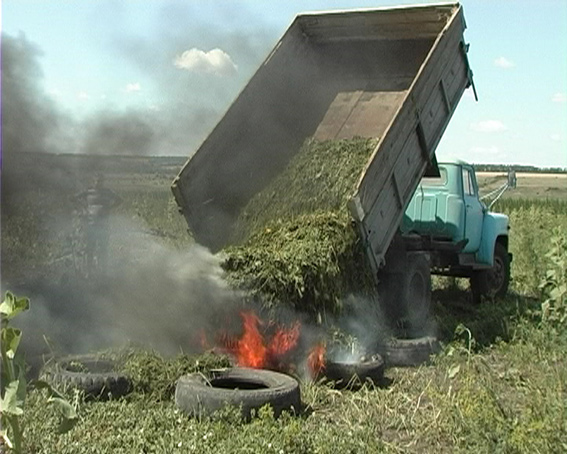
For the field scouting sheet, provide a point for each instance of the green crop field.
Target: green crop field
(529, 185)
(499, 383)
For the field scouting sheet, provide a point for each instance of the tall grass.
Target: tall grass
(499, 384)
(532, 224)
(507, 205)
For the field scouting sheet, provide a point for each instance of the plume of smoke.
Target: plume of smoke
(169, 299)
(149, 295)
(190, 102)
(113, 133)
(29, 116)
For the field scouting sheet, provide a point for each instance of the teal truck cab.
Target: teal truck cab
(446, 230)
(447, 218)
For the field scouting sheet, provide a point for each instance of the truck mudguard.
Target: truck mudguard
(495, 226)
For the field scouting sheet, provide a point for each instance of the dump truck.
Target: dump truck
(391, 74)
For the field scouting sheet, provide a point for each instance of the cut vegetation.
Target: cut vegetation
(497, 385)
(296, 244)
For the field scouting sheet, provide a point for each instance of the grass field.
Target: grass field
(498, 385)
(529, 185)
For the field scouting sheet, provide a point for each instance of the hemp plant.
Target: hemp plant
(13, 381)
(554, 286)
(13, 385)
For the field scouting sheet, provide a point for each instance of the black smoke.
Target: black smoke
(29, 116)
(150, 294)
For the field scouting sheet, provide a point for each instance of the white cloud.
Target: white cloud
(215, 61)
(503, 62)
(489, 126)
(559, 97)
(133, 88)
(83, 96)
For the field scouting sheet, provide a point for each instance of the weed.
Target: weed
(13, 383)
(554, 286)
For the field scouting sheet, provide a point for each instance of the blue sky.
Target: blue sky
(111, 57)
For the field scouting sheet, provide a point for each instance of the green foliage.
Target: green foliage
(552, 206)
(13, 383)
(531, 225)
(296, 245)
(321, 177)
(310, 263)
(517, 168)
(554, 286)
(499, 386)
(508, 398)
(154, 377)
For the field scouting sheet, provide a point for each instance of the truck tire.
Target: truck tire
(492, 283)
(410, 352)
(97, 377)
(353, 374)
(249, 389)
(416, 293)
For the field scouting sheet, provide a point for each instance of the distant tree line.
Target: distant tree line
(517, 168)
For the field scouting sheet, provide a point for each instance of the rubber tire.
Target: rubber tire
(483, 282)
(416, 292)
(197, 395)
(99, 381)
(350, 375)
(410, 352)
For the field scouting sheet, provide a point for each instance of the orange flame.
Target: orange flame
(251, 350)
(284, 340)
(316, 359)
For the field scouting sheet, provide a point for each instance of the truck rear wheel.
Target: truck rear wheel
(492, 283)
(406, 295)
(416, 293)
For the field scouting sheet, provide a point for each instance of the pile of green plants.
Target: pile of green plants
(294, 243)
(154, 376)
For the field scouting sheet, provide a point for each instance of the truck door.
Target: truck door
(474, 211)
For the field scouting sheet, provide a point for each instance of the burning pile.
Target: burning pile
(272, 346)
(295, 242)
(251, 349)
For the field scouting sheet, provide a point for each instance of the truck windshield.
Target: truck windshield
(436, 181)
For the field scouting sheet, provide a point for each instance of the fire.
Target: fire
(316, 359)
(284, 340)
(252, 350)
(271, 346)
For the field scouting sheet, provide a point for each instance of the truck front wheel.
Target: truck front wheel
(492, 283)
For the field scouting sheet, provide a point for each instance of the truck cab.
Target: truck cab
(464, 238)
